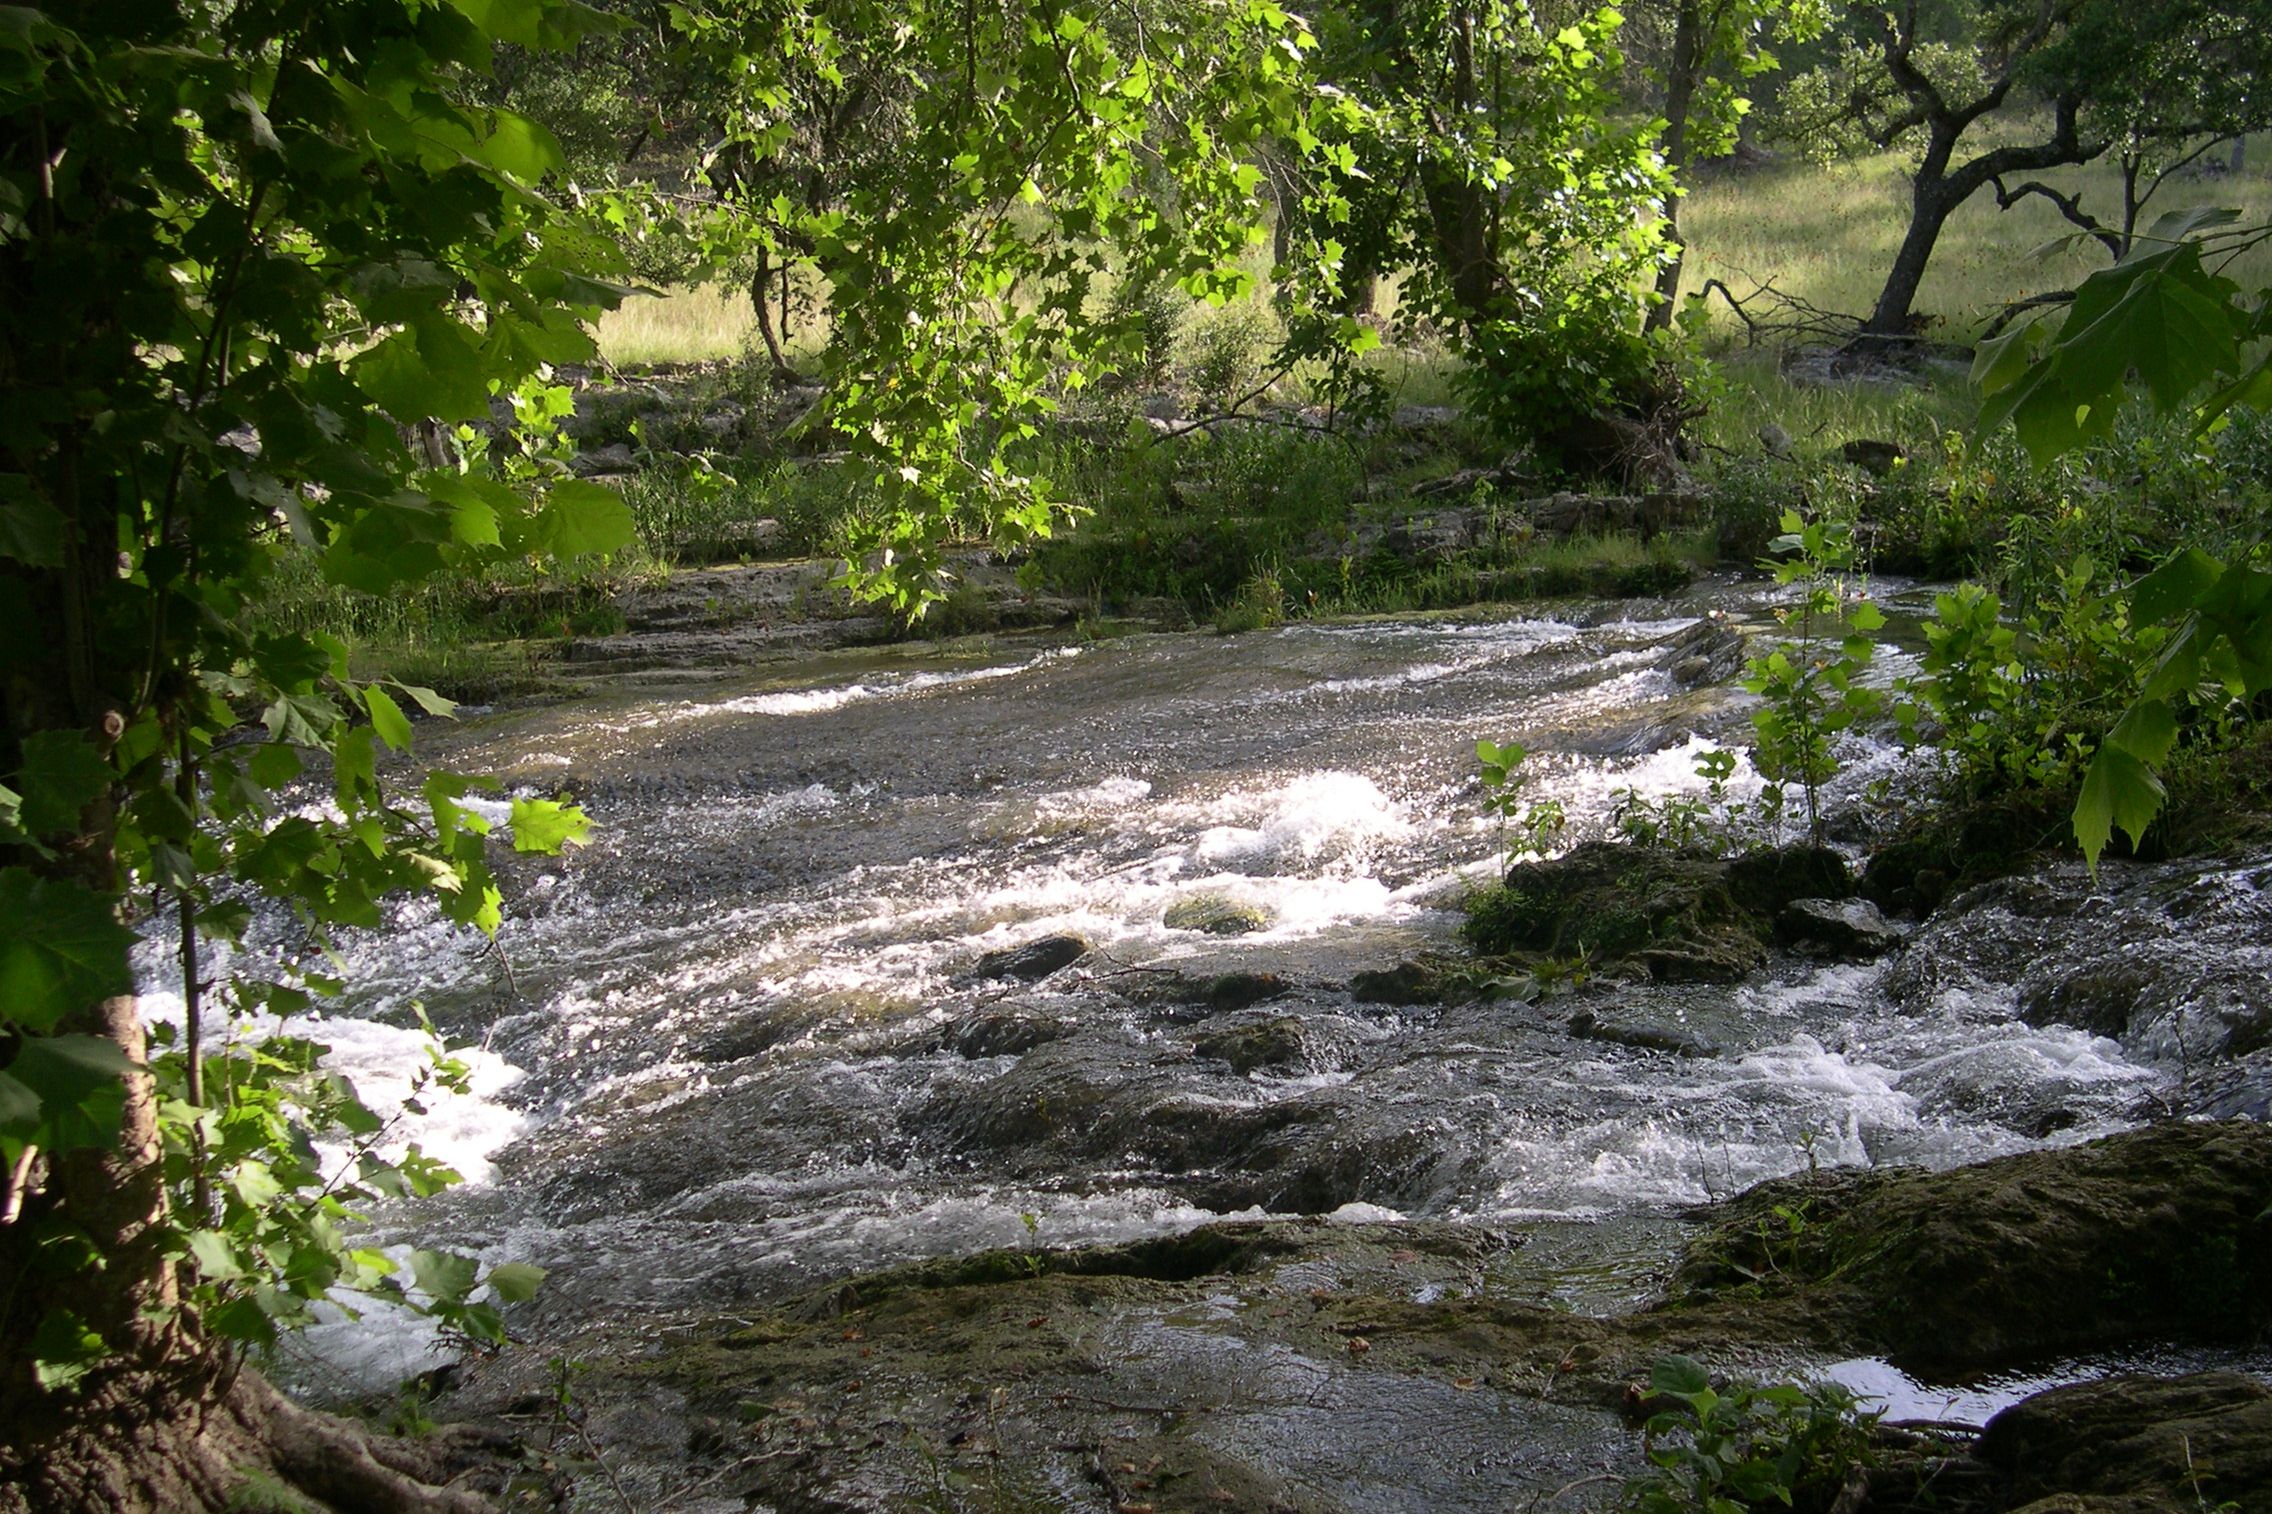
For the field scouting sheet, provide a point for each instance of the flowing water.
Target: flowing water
(743, 1041)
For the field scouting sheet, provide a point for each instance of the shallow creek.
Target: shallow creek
(741, 1043)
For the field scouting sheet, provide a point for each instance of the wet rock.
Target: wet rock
(1407, 983)
(2187, 1443)
(1707, 653)
(1227, 992)
(1008, 1032)
(1215, 915)
(1851, 928)
(1274, 1043)
(1033, 961)
(1686, 919)
(2162, 1232)
(1076, 1103)
(1211, 993)
(1770, 880)
(1587, 1025)
(2172, 959)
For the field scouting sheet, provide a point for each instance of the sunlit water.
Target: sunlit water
(738, 1045)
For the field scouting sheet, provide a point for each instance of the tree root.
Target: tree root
(142, 1443)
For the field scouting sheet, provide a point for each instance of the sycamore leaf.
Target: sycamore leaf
(64, 1349)
(31, 532)
(545, 825)
(2163, 316)
(80, 1084)
(441, 1276)
(2147, 731)
(62, 775)
(2118, 790)
(580, 517)
(515, 1282)
(19, 1110)
(215, 1257)
(429, 701)
(387, 718)
(2174, 587)
(61, 950)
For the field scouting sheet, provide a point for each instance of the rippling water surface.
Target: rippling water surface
(742, 1042)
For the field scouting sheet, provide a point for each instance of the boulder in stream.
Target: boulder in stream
(2144, 1444)
(1684, 918)
(1033, 961)
(1851, 928)
(2164, 1232)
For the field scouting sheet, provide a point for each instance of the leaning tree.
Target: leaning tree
(1985, 90)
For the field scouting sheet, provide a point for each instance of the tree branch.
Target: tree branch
(2070, 206)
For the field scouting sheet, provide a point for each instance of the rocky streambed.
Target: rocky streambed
(1047, 1076)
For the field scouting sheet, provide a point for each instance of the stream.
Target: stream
(915, 952)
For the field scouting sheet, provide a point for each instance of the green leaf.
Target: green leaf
(80, 1084)
(240, 1319)
(1680, 1375)
(19, 1110)
(62, 775)
(2173, 588)
(2118, 790)
(273, 764)
(64, 1350)
(515, 1282)
(429, 701)
(442, 1276)
(546, 826)
(580, 517)
(31, 532)
(2147, 731)
(216, 1258)
(387, 718)
(301, 719)
(61, 950)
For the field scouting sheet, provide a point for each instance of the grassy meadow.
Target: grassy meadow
(1827, 234)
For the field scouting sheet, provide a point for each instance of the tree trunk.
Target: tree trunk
(1892, 322)
(1680, 97)
(165, 1440)
(761, 300)
(167, 1423)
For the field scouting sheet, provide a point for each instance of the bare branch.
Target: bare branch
(2070, 206)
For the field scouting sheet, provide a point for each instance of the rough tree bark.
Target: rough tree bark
(1680, 96)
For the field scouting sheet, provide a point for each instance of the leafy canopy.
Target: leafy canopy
(244, 250)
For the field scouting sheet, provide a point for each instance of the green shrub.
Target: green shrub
(1746, 1448)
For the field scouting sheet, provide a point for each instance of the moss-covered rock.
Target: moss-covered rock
(1254, 1045)
(2166, 1445)
(2162, 1232)
(1216, 915)
(1684, 918)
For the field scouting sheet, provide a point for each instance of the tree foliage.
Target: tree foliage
(243, 248)
(2165, 322)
